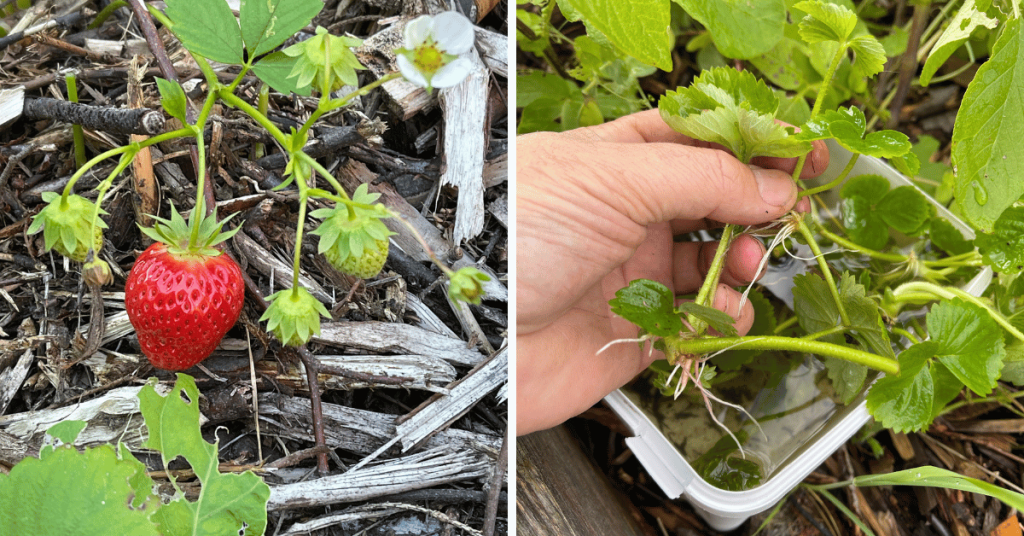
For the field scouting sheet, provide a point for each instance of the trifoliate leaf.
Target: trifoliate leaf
(229, 502)
(734, 109)
(904, 402)
(650, 305)
(172, 98)
(967, 19)
(948, 238)
(905, 209)
(718, 320)
(969, 343)
(825, 22)
(268, 23)
(1003, 248)
(847, 126)
(549, 102)
(207, 28)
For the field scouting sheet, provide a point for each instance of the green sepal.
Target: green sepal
(68, 227)
(325, 61)
(294, 316)
(467, 285)
(175, 233)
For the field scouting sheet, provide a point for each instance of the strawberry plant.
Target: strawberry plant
(880, 301)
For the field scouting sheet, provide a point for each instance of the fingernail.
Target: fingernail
(776, 188)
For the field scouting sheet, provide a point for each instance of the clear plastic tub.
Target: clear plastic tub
(797, 443)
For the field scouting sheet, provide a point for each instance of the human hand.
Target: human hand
(598, 207)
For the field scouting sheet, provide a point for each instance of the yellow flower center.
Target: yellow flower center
(428, 58)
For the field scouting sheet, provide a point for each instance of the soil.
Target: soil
(374, 364)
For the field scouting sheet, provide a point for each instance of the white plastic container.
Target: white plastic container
(726, 510)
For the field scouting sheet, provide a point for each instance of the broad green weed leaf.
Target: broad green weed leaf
(96, 492)
(172, 98)
(968, 342)
(987, 159)
(1003, 248)
(904, 402)
(825, 22)
(933, 477)
(650, 305)
(268, 23)
(905, 209)
(549, 102)
(895, 43)
(782, 66)
(275, 69)
(959, 30)
(639, 28)
(948, 238)
(207, 28)
(228, 501)
(740, 29)
(718, 320)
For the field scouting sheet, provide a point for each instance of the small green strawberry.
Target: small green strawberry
(467, 285)
(354, 239)
(294, 316)
(67, 225)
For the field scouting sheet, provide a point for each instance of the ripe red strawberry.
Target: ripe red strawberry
(182, 300)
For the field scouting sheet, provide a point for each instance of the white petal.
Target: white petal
(452, 74)
(453, 32)
(410, 72)
(418, 30)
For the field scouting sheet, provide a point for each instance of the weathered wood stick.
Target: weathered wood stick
(140, 121)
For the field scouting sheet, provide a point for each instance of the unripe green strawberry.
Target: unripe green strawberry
(366, 265)
(354, 239)
(294, 316)
(67, 225)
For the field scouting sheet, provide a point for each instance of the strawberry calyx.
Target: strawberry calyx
(466, 285)
(67, 224)
(182, 242)
(351, 231)
(294, 316)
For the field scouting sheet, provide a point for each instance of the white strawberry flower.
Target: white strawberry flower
(435, 49)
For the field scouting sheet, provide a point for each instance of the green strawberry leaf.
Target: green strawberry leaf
(870, 187)
(650, 305)
(959, 30)
(172, 98)
(732, 108)
(987, 159)
(869, 56)
(908, 164)
(1003, 248)
(814, 307)
(947, 387)
(863, 224)
(847, 126)
(948, 238)
(905, 209)
(228, 502)
(268, 23)
(761, 21)
(1013, 364)
(537, 24)
(904, 402)
(847, 378)
(98, 491)
(207, 28)
(968, 342)
(640, 28)
(718, 320)
(275, 69)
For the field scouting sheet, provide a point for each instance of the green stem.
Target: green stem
(327, 175)
(105, 13)
(199, 212)
(820, 99)
(900, 331)
(329, 105)
(826, 272)
(833, 183)
(786, 324)
(264, 121)
(706, 294)
(824, 333)
(299, 228)
(76, 130)
(916, 289)
(847, 244)
(89, 165)
(261, 105)
(706, 346)
(998, 398)
(126, 160)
